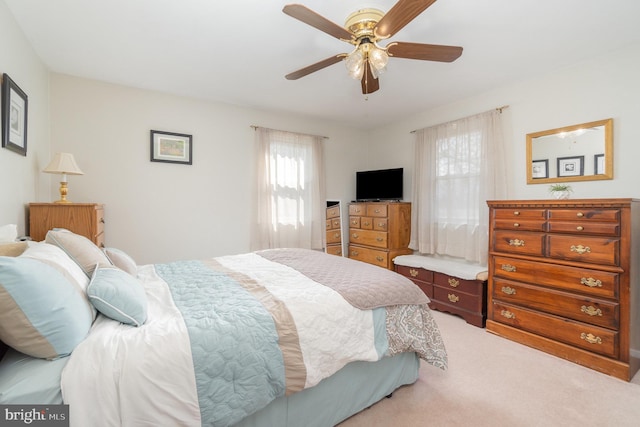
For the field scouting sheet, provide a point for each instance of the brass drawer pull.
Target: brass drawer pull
(453, 298)
(516, 242)
(579, 214)
(591, 282)
(382, 224)
(507, 314)
(516, 213)
(413, 272)
(591, 310)
(515, 224)
(355, 235)
(335, 236)
(379, 258)
(454, 283)
(355, 253)
(590, 338)
(379, 239)
(508, 268)
(580, 250)
(508, 290)
(377, 211)
(366, 223)
(579, 228)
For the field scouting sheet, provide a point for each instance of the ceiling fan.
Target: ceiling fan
(364, 29)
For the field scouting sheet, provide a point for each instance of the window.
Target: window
(290, 187)
(458, 167)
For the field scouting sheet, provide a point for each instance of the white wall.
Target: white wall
(20, 182)
(160, 212)
(601, 88)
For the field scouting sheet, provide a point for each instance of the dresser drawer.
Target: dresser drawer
(530, 214)
(596, 250)
(523, 243)
(368, 238)
(333, 236)
(366, 223)
(333, 212)
(354, 222)
(458, 299)
(518, 224)
(612, 215)
(371, 256)
(376, 210)
(415, 273)
(380, 224)
(472, 287)
(357, 209)
(588, 310)
(334, 249)
(584, 227)
(589, 337)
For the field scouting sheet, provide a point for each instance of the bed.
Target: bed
(282, 337)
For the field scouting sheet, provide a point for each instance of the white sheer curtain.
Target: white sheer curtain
(289, 197)
(458, 167)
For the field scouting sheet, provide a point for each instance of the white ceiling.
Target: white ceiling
(238, 51)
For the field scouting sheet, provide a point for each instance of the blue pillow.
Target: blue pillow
(118, 295)
(42, 314)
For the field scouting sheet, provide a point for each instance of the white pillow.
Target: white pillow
(8, 233)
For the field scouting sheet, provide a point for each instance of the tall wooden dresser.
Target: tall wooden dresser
(334, 229)
(379, 231)
(86, 219)
(563, 278)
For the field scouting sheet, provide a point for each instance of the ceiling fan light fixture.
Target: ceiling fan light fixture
(355, 63)
(378, 59)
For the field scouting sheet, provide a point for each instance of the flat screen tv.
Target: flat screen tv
(383, 184)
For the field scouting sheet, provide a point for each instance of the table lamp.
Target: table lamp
(65, 164)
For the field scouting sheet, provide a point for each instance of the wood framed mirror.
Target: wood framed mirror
(582, 152)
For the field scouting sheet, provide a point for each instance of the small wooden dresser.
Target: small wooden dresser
(86, 219)
(334, 230)
(563, 278)
(379, 231)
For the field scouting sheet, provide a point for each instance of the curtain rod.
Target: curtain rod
(256, 127)
(498, 109)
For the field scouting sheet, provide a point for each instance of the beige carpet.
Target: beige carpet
(492, 381)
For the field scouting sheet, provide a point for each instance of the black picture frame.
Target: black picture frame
(570, 166)
(171, 147)
(15, 105)
(598, 164)
(540, 169)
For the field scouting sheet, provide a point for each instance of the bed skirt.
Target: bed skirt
(352, 389)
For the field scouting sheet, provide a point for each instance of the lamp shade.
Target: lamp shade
(63, 163)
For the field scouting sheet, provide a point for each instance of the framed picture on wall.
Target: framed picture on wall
(598, 164)
(540, 169)
(171, 147)
(571, 166)
(14, 116)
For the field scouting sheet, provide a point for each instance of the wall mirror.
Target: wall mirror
(581, 152)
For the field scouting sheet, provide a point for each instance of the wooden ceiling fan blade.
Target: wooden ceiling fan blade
(403, 12)
(315, 67)
(369, 83)
(308, 16)
(425, 52)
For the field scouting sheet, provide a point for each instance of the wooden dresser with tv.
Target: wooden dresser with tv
(563, 278)
(379, 231)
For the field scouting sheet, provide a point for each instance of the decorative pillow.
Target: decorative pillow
(118, 295)
(8, 233)
(41, 312)
(122, 260)
(58, 259)
(80, 249)
(12, 249)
